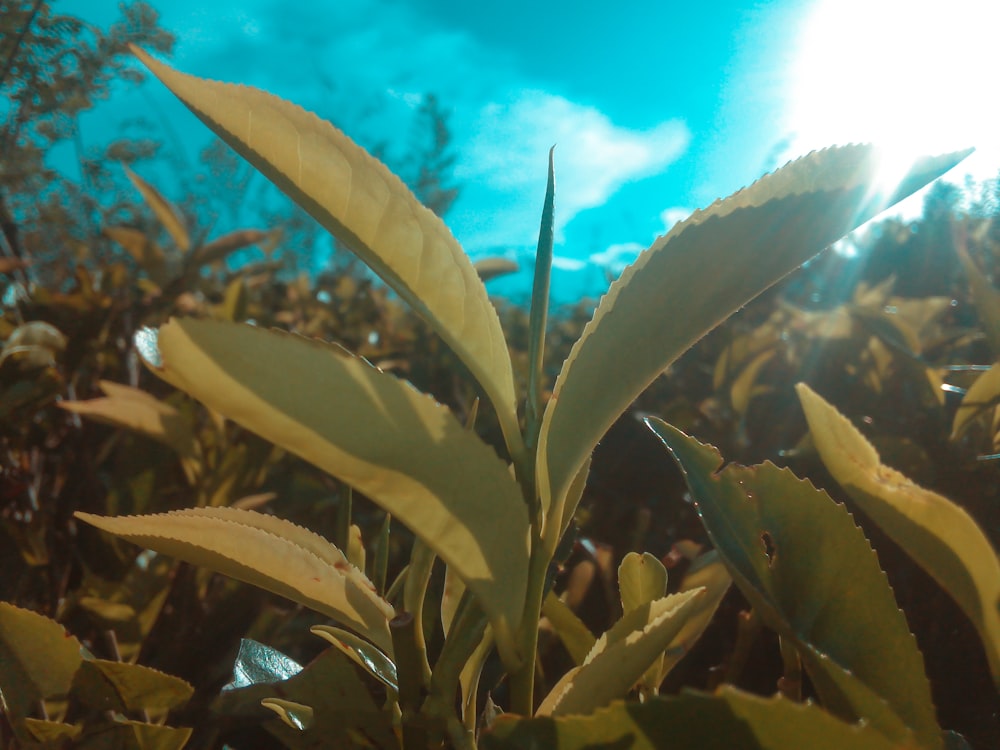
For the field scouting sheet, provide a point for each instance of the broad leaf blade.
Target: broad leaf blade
(938, 534)
(367, 208)
(344, 706)
(641, 579)
(727, 720)
(38, 659)
(692, 279)
(265, 551)
(377, 433)
(120, 686)
(808, 569)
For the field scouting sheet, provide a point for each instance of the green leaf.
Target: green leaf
(938, 534)
(621, 656)
(140, 412)
(234, 301)
(120, 686)
(689, 281)
(376, 433)
(706, 572)
(122, 734)
(329, 681)
(362, 653)
(985, 296)
(491, 268)
(296, 715)
(52, 731)
(38, 659)
(726, 720)
(641, 579)
(982, 395)
(265, 551)
(575, 636)
(167, 215)
(146, 252)
(809, 571)
(370, 210)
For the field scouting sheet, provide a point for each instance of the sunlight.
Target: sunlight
(913, 77)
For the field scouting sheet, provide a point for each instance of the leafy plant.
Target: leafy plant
(497, 524)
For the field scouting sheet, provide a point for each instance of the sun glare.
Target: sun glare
(914, 77)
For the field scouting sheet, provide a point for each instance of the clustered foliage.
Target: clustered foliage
(427, 648)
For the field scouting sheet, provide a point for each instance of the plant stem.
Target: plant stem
(522, 680)
(409, 671)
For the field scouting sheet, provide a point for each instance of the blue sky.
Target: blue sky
(656, 108)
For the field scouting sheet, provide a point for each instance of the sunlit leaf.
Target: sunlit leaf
(808, 570)
(373, 431)
(641, 579)
(367, 208)
(265, 551)
(938, 534)
(621, 656)
(726, 720)
(692, 279)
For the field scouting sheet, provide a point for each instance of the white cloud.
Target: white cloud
(616, 257)
(507, 152)
(672, 216)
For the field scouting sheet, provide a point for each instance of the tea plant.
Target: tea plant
(497, 522)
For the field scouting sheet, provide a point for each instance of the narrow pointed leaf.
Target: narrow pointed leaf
(725, 720)
(575, 636)
(938, 534)
(373, 431)
(621, 656)
(358, 200)
(491, 268)
(362, 653)
(696, 276)
(807, 568)
(265, 551)
(296, 715)
(167, 215)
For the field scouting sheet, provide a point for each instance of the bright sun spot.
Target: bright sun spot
(915, 77)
